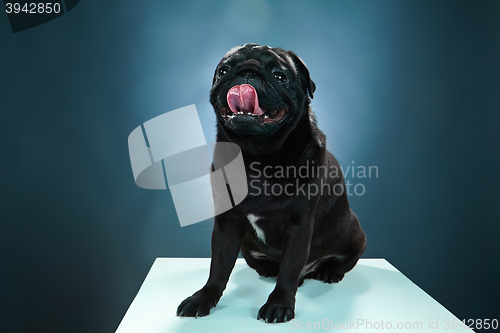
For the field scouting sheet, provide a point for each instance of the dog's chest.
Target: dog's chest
(267, 229)
(259, 231)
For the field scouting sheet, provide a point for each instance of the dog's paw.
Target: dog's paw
(198, 305)
(267, 268)
(276, 313)
(268, 272)
(279, 308)
(328, 276)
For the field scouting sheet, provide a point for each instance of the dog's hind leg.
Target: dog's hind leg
(264, 265)
(332, 270)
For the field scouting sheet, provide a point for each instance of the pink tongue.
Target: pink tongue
(243, 98)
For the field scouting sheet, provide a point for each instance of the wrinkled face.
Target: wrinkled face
(260, 92)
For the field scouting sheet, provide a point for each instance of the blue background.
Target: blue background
(411, 87)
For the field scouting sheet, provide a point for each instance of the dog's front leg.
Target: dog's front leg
(295, 251)
(226, 241)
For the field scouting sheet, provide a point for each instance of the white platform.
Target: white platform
(373, 293)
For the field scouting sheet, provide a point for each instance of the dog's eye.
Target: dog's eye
(280, 76)
(223, 70)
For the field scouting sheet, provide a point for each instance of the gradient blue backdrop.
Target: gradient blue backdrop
(409, 86)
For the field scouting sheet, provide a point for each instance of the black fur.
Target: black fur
(306, 236)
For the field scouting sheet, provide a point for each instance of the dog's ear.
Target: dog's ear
(307, 83)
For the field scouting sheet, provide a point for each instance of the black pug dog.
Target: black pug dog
(292, 225)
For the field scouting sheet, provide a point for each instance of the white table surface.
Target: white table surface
(374, 293)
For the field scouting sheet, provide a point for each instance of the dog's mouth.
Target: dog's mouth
(243, 101)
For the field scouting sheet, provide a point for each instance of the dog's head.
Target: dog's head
(259, 95)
